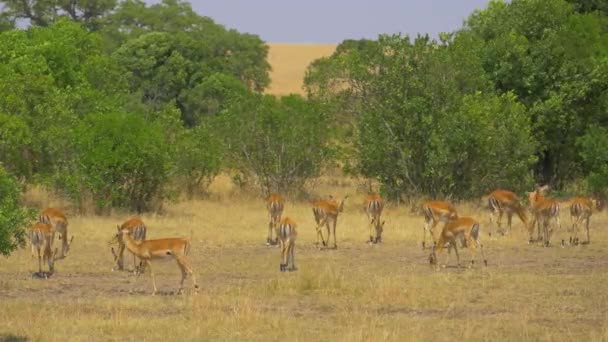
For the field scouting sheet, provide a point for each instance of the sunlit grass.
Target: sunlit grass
(358, 292)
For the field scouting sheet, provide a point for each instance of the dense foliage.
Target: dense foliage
(501, 102)
(125, 104)
(13, 218)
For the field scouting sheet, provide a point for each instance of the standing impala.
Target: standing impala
(287, 235)
(435, 211)
(456, 229)
(275, 206)
(169, 248)
(58, 220)
(504, 201)
(137, 230)
(326, 212)
(374, 204)
(544, 209)
(581, 209)
(41, 239)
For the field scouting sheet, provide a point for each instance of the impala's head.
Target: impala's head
(341, 208)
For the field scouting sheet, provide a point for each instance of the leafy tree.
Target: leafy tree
(554, 60)
(281, 142)
(121, 159)
(13, 218)
(198, 158)
(46, 12)
(593, 151)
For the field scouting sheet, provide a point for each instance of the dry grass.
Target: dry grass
(355, 293)
(289, 63)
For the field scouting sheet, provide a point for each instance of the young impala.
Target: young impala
(41, 239)
(505, 201)
(169, 248)
(374, 204)
(326, 212)
(435, 211)
(581, 209)
(465, 228)
(287, 235)
(137, 230)
(275, 206)
(58, 220)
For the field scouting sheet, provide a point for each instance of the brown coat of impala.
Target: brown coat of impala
(41, 240)
(159, 249)
(138, 231)
(504, 201)
(435, 211)
(59, 221)
(275, 206)
(581, 209)
(544, 209)
(326, 213)
(461, 228)
(374, 204)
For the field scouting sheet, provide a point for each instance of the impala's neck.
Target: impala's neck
(130, 243)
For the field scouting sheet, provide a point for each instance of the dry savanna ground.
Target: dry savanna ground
(289, 63)
(359, 292)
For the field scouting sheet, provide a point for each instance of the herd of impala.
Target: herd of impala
(457, 230)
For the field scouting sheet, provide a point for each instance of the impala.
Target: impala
(505, 201)
(435, 211)
(544, 209)
(461, 228)
(287, 235)
(373, 208)
(137, 230)
(581, 209)
(169, 248)
(275, 206)
(326, 212)
(41, 239)
(58, 220)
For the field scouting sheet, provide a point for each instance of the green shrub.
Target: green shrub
(13, 217)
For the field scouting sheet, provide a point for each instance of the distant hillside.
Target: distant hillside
(289, 62)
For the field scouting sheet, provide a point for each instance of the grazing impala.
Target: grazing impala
(462, 228)
(544, 209)
(275, 206)
(435, 211)
(169, 248)
(287, 236)
(373, 208)
(581, 209)
(58, 220)
(137, 230)
(505, 201)
(41, 239)
(326, 212)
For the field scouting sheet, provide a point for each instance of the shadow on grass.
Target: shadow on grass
(12, 338)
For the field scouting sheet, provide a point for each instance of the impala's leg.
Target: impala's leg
(480, 245)
(432, 230)
(472, 249)
(39, 262)
(509, 220)
(269, 237)
(499, 221)
(284, 254)
(425, 227)
(587, 227)
(457, 254)
(334, 232)
(371, 227)
(149, 265)
(293, 256)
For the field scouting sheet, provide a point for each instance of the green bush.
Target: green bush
(121, 159)
(13, 217)
(595, 158)
(281, 142)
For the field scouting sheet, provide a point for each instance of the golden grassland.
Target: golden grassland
(359, 292)
(289, 63)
